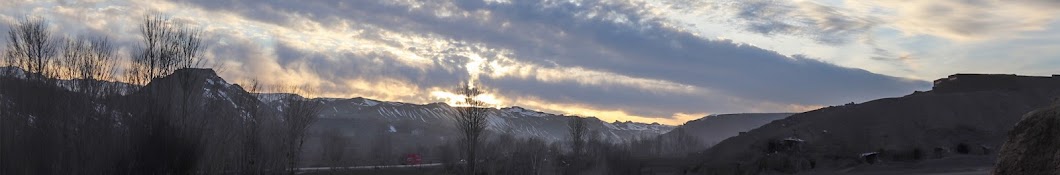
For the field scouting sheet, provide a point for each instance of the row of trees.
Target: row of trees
(40, 56)
(62, 113)
(586, 151)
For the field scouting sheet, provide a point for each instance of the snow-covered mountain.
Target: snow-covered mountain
(434, 121)
(211, 92)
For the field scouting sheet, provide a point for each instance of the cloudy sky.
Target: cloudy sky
(665, 61)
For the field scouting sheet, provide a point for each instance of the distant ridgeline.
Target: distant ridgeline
(963, 114)
(986, 82)
(414, 125)
(712, 129)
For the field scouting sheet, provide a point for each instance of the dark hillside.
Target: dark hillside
(963, 114)
(712, 129)
(191, 120)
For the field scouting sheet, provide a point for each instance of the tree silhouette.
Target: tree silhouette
(32, 47)
(299, 114)
(471, 121)
(166, 47)
(579, 133)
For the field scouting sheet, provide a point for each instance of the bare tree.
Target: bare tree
(98, 67)
(8, 62)
(299, 114)
(680, 142)
(32, 47)
(170, 128)
(88, 63)
(471, 121)
(252, 151)
(578, 134)
(166, 47)
(177, 121)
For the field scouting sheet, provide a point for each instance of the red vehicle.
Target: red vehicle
(412, 159)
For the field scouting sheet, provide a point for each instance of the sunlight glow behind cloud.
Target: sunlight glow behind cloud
(453, 99)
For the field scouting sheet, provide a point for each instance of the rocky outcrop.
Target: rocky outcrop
(1033, 146)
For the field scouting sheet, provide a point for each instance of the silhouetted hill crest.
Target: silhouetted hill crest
(969, 111)
(986, 82)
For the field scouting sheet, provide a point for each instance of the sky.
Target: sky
(665, 61)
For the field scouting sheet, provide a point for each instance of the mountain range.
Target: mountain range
(411, 127)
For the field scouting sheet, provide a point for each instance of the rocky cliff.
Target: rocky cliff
(1033, 146)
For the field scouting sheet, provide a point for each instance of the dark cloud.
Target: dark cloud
(645, 47)
(625, 39)
(819, 22)
(960, 20)
(824, 24)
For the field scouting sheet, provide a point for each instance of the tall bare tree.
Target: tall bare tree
(32, 47)
(167, 46)
(578, 134)
(299, 114)
(471, 121)
(252, 154)
(88, 63)
(681, 142)
(178, 118)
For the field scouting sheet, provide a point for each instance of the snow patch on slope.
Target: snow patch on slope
(368, 102)
(524, 112)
